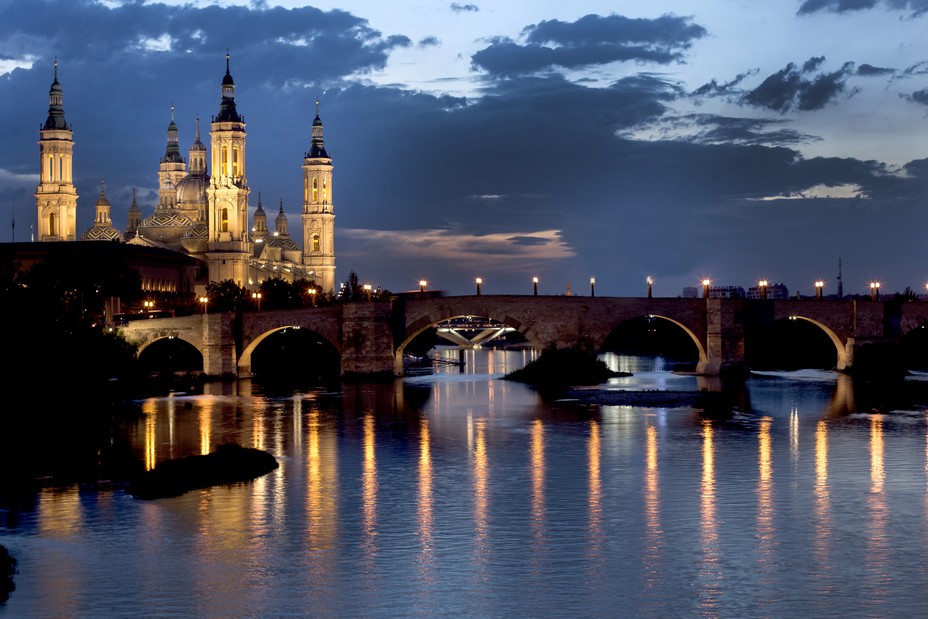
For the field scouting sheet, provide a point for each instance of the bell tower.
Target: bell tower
(228, 245)
(171, 170)
(318, 216)
(56, 197)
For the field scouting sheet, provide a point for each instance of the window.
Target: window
(225, 160)
(52, 224)
(315, 189)
(325, 193)
(51, 169)
(306, 190)
(316, 243)
(224, 220)
(235, 161)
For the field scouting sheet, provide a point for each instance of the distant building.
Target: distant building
(774, 291)
(199, 216)
(690, 292)
(726, 292)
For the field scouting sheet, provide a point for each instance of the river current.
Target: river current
(458, 494)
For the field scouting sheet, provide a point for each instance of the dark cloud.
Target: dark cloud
(789, 88)
(915, 7)
(726, 89)
(919, 96)
(868, 70)
(589, 41)
(464, 8)
(430, 41)
(714, 129)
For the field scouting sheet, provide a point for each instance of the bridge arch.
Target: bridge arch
(244, 361)
(700, 347)
(840, 346)
(171, 358)
(435, 318)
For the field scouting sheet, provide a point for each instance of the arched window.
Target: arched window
(316, 243)
(315, 189)
(235, 161)
(51, 169)
(224, 220)
(225, 160)
(325, 192)
(52, 224)
(61, 168)
(305, 190)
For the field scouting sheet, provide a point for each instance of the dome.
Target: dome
(192, 189)
(166, 220)
(102, 233)
(198, 231)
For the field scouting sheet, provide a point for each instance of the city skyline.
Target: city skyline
(727, 142)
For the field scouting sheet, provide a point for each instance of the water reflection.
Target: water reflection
(878, 576)
(821, 541)
(539, 535)
(481, 475)
(594, 501)
(369, 492)
(652, 512)
(710, 571)
(426, 551)
(766, 532)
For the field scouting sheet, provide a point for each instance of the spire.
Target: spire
(317, 146)
(103, 205)
(55, 118)
(281, 225)
(227, 112)
(172, 152)
(135, 205)
(260, 208)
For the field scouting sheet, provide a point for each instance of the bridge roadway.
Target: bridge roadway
(371, 337)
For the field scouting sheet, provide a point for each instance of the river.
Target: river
(457, 494)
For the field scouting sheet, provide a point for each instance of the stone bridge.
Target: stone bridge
(370, 337)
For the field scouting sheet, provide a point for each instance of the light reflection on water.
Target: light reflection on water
(459, 494)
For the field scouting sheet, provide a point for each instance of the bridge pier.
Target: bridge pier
(367, 338)
(724, 339)
(220, 354)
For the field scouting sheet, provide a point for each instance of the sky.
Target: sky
(734, 140)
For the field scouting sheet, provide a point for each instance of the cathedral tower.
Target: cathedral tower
(318, 218)
(228, 246)
(56, 197)
(171, 170)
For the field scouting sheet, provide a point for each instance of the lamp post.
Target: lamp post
(819, 284)
(874, 291)
(535, 286)
(592, 286)
(650, 281)
(422, 285)
(762, 284)
(256, 297)
(148, 305)
(312, 295)
(705, 288)
(367, 291)
(479, 281)
(203, 302)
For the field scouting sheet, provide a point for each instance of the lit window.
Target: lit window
(316, 243)
(52, 224)
(315, 189)
(224, 220)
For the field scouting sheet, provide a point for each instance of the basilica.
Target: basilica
(198, 214)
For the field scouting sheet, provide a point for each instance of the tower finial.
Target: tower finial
(102, 186)
(317, 106)
(198, 128)
(227, 60)
(281, 204)
(259, 199)
(56, 67)
(172, 110)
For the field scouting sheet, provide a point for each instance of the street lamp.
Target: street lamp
(762, 284)
(149, 305)
(592, 286)
(203, 302)
(479, 281)
(367, 291)
(819, 284)
(650, 281)
(535, 286)
(705, 288)
(256, 296)
(422, 285)
(312, 295)
(874, 291)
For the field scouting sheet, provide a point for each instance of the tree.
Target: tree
(226, 296)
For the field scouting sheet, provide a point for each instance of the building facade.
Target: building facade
(199, 214)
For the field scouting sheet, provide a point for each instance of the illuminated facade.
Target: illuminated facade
(56, 197)
(201, 215)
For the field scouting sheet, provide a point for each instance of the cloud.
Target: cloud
(501, 251)
(919, 96)
(430, 41)
(464, 8)
(591, 40)
(915, 7)
(726, 89)
(868, 70)
(789, 89)
(848, 191)
(719, 130)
